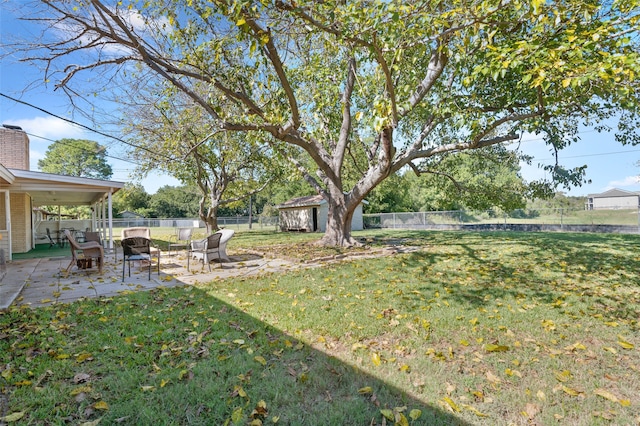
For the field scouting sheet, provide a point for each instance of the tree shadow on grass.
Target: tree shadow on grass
(180, 356)
(543, 266)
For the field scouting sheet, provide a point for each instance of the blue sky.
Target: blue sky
(609, 164)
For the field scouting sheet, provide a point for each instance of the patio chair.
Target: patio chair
(137, 249)
(141, 231)
(82, 253)
(183, 239)
(205, 249)
(52, 242)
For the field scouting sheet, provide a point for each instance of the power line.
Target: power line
(154, 153)
(61, 141)
(590, 155)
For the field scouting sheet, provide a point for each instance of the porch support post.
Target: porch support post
(110, 219)
(7, 208)
(104, 222)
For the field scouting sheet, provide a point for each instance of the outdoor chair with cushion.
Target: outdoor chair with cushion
(83, 253)
(137, 249)
(141, 231)
(206, 250)
(182, 239)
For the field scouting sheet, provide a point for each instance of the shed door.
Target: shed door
(315, 219)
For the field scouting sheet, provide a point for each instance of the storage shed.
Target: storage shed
(309, 214)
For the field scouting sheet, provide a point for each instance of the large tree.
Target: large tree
(225, 167)
(76, 157)
(392, 82)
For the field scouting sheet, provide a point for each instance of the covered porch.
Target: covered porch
(23, 191)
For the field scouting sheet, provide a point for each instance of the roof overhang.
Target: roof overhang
(6, 177)
(48, 189)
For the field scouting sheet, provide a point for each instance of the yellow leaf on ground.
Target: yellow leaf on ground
(495, 348)
(563, 376)
(13, 417)
(236, 415)
(624, 344)
(415, 414)
(260, 359)
(101, 405)
(388, 414)
(606, 394)
(375, 359)
(367, 390)
(81, 389)
(450, 403)
(570, 391)
(474, 410)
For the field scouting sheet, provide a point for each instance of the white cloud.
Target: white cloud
(623, 183)
(50, 128)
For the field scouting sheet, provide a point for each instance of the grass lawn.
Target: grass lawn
(473, 328)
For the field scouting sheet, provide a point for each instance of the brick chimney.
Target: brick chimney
(14, 147)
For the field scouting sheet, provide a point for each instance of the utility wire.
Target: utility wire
(154, 153)
(150, 151)
(69, 144)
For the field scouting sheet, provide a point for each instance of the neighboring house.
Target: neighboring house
(309, 214)
(22, 190)
(613, 199)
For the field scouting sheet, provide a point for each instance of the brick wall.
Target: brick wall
(20, 223)
(14, 149)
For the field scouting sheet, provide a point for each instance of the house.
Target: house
(22, 190)
(309, 214)
(613, 199)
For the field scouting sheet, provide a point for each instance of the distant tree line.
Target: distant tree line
(399, 193)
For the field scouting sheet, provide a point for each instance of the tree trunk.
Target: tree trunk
(210, 219)
(338, 232)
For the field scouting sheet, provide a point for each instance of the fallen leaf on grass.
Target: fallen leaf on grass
(493, 378)
(611, 397)
(415, 414)
(495, 348)
(474, 410)
(13, 417)
(367, 390)
(624, 344)
(101, 405)
(531, 410)
(450, 404)
(563, 376)
(571, 391)
(375, 359)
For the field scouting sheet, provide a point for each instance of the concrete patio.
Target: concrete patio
(44, 281)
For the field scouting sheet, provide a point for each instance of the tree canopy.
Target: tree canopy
(76, 157)
(370, 86)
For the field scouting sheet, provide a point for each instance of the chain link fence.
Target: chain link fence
(233, 222)
(610, 220)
